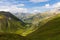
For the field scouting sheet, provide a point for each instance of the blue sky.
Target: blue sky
(28, 6)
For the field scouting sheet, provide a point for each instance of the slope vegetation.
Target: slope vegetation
(10, 23)
(49, 31)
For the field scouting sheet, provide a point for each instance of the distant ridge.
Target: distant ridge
(49, 31)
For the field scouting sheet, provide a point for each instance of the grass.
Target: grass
(9, 36)
(45, 29)
(49, 31)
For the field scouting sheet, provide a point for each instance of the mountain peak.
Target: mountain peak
(9, 22)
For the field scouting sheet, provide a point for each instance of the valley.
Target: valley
(41, 27)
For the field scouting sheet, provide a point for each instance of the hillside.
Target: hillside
(9, 27)
(7, 36)
(46, 28)
(49, 31)
(10, 15)
(23, 16)
(38, 15)
(37, 21)
(42, 15)
(10, 23)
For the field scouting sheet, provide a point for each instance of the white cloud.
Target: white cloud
(20, 5)
(35, 11)
(56, 5)
(9, 6)
(4, 10)
(35, 1)
(47, 5)
(19, 10)
(13, 9)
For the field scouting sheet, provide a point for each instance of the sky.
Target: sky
(28, 6)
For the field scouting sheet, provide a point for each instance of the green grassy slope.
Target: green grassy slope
(8, 36)
(11, 27)
(48, 31)
(10, 23)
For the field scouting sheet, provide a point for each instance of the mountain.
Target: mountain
(9, 27)
(55, 10)
(38, 16)
(42, 26)
(50, 30)
(9, 15)
(24, 16)
(10, 23)
(37, 19)
(43, 15)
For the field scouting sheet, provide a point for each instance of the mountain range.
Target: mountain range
(40, 26)
(50, 30)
